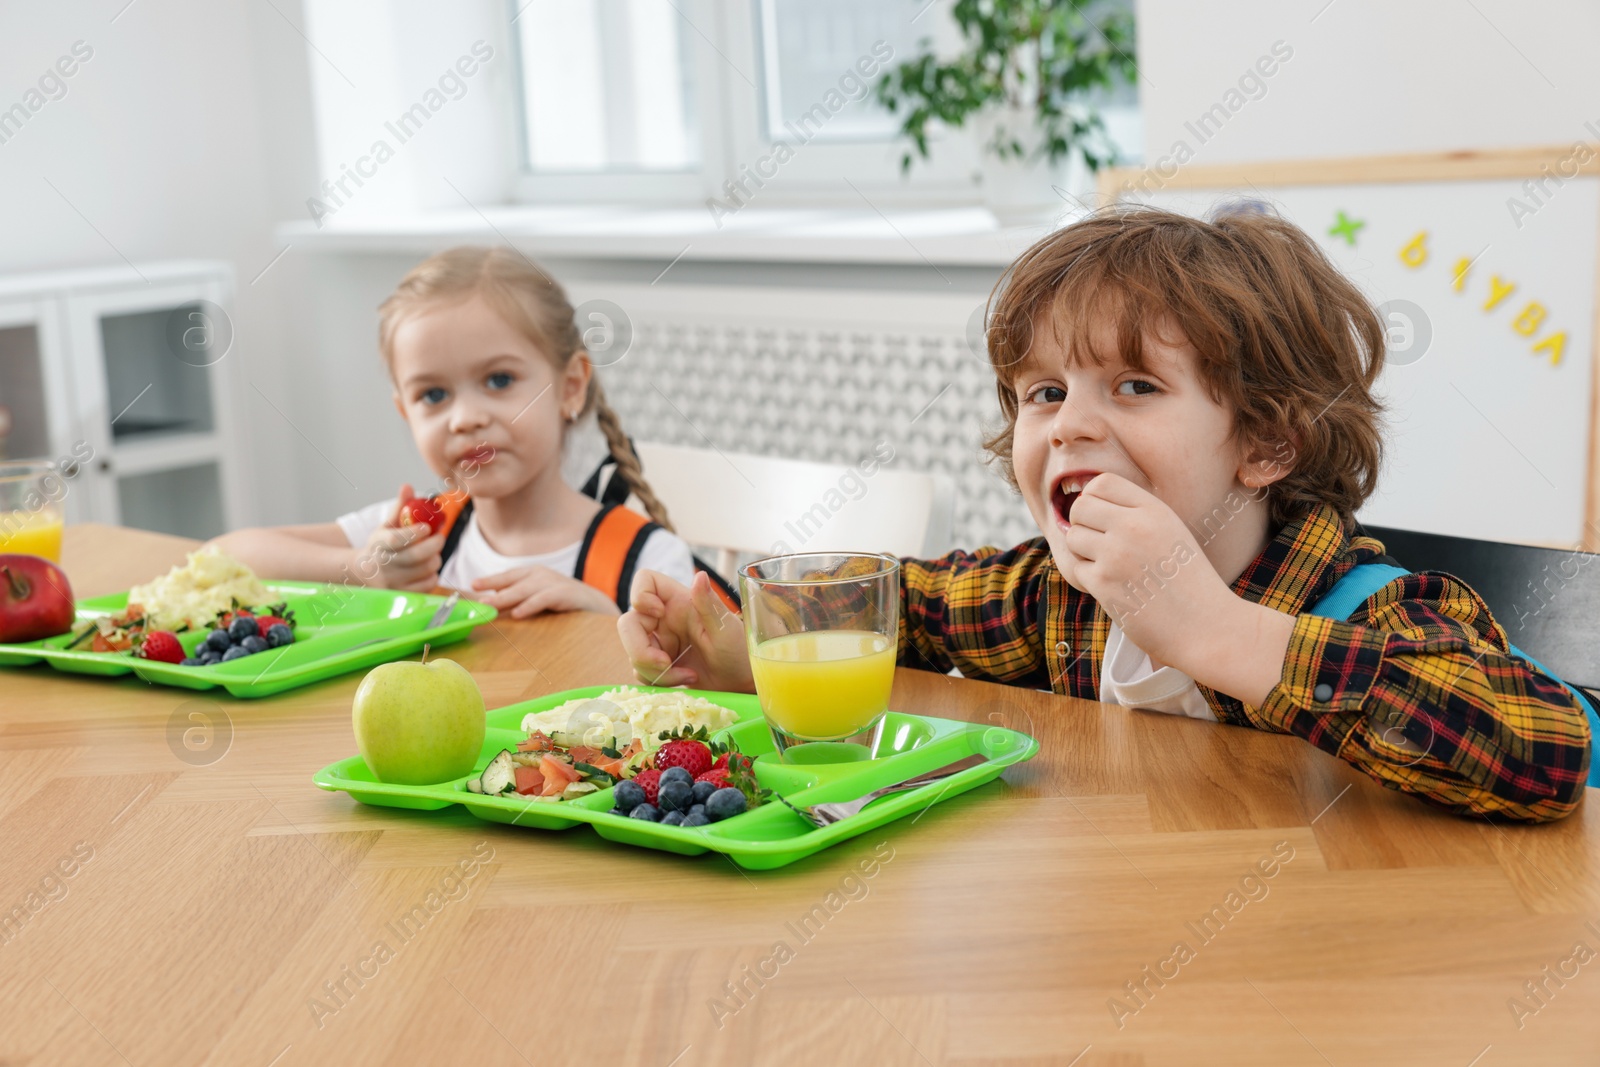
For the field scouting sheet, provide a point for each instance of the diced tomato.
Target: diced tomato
(117, 642)
(551, 767)
(536, 742)
(613, 767)
(557, 775)
(584, 753)
(529, 781)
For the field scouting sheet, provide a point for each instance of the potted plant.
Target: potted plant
(1025, 78)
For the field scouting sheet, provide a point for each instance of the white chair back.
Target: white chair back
(746, 506)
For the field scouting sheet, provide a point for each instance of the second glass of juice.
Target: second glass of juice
(822, 629)
(30, 512)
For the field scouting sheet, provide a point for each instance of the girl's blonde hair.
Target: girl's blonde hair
(532, 302)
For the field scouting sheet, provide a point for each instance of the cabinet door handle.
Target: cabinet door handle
(105, 466)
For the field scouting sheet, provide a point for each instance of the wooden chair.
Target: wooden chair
(1547, 599)
(746, 506)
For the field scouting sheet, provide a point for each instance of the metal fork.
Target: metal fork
(826, 814)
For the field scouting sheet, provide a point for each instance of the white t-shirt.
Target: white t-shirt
(474, 558)
(1128, 678)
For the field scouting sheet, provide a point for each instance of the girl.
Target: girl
(490, 374)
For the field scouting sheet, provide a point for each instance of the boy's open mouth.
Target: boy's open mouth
(1065, 490)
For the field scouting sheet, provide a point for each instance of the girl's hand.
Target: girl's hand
(529, 591)
(677, 635)
(1137, 558)
(401, 557)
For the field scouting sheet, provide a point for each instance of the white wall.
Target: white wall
(187, 134)
(376, 61)
(1370, 77)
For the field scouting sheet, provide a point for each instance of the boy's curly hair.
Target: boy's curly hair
(1285, 341)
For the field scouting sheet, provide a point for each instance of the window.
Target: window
(678, 102)
(607, 85)
(807, 46)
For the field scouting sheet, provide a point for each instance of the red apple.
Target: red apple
(422, 511)
(35, 599)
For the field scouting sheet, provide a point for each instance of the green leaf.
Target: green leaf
(1061, 51)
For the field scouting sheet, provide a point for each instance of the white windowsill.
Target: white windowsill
(945, 236)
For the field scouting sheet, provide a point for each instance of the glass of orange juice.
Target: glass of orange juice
(822, 628)
(30, 508)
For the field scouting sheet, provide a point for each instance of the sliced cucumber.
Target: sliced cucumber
(500, 775)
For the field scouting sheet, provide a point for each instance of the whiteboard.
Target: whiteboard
(1488, 392)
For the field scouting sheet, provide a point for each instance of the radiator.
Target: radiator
(811, 374)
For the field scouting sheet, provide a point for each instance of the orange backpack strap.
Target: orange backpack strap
(610, 551)
(719, 585)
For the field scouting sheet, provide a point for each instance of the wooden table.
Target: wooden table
(222, 909)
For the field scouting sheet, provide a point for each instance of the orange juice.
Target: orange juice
(33, 533)
(824, 685)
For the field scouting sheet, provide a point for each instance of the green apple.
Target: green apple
(419, 723)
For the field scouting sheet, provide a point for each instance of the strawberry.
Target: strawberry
(160, 645)
(693, 756)
(267, 622)
(650, 781)
(716, 776)
(422, 511)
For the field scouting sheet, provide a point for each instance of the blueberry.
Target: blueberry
(647, 812)
(209, 656)
(279, 635)
(695, 809)
(674, 795)
(255, 644)
(672, 818)
(619, 811)
(218, 641)
(725, 803)
(628, 795)
(236, 652)
(703, 791)
(243, 626)
(190, 661)
(677, 774)
(696, 818)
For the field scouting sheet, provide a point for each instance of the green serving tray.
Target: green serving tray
(762, 838)
(338, 629)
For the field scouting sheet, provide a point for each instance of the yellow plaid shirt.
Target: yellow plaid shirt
(1417, 689)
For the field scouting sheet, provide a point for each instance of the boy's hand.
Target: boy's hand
(1122, 534)
(529, 591)
(401, 557)
(677, 635)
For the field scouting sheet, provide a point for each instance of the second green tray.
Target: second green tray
(338, 629)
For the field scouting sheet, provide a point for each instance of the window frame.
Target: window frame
(662, 188)
(851, 174)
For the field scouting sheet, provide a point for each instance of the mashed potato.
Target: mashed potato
(195, 593)
(626, 713)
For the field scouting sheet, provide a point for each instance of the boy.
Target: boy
(1189, 417)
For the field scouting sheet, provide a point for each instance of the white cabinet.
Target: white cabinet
(131, 369)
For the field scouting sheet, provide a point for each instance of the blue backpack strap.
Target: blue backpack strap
(1355, 589)
(1365, 579)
